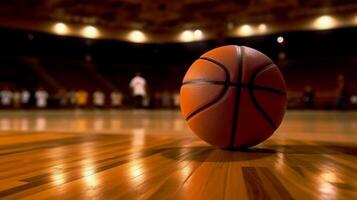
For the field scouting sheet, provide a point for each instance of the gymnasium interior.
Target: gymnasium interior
(72, 127)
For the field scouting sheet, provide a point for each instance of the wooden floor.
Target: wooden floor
(153, 155)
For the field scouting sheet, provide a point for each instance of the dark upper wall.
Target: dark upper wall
(333, 43)
(165, 64)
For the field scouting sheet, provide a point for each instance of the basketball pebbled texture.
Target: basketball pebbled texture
(233, 97)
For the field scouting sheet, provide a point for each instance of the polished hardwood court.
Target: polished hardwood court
(153, 155)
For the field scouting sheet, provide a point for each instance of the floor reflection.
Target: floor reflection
(58, 177)
(138, 138)
(136, 173)
(152, 154)
(295, 125)
(93, 121)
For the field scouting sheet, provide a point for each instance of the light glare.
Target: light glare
(262, 27)
(60, 28)
(325, 22)
(90, 32)
(245, 30)
(186, 36)
(280, 39)
(197, 34)
(137, 36)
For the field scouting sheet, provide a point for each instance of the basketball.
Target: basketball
(233, 97)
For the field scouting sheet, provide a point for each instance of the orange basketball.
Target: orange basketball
(233, 97)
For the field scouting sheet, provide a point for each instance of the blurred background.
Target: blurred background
(66, 54)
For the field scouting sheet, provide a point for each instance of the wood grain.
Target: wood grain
(153, 155)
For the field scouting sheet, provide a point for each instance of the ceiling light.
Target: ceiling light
(90, 32)
(60, 28)
(197, 34)
(325, 22)
(137, 36)
(280, 39)
(187, 36)
(245, 30)
(262, 28)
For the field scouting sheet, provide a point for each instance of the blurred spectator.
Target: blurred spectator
(17, 99)
(353, 99)
(6, 97)
(138, 86)
(62, 98)
(295, 99)
(25, 98)
(146, 101)
(176, 99)
(157, 100)
(116, 98)
(41, 98)
(309, 97)
(71, 95)
(342, 93)
(98, 98)
(81, 98)
(166, 99)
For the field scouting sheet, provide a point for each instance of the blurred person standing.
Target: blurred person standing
(98, 99)
(116, 98)
(157, 100)
(6, 97)
(138, 87)
(16, 99)
(41, 96)
(166, 99)
(146, 101)
(176, 99)
(342, 93)
(25, 98)
(309, 97)
(81, 98)
(61, 99)
(71, 96)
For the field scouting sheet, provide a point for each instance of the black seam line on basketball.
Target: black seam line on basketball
(254, 100)
(220, 95)
(199, 81)
(237, 97)
(253, 87)
(260, 109)
(256, 73)
(267, 89)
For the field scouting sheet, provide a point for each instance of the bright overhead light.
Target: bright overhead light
(137, 36)
(325, 22)
(262, 28)
(197, 34)
(90, 32)
(280, 39)
(60, 28)
(187, 36)
(245, 30)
